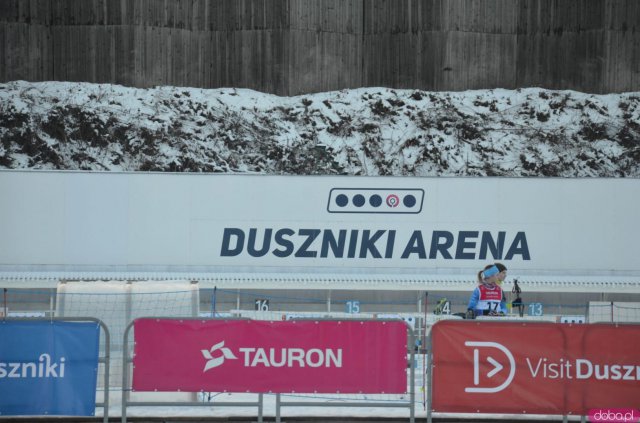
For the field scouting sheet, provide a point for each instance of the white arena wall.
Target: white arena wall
(88, 225)
(292, 232)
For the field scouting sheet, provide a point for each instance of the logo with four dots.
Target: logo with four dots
(375, 200)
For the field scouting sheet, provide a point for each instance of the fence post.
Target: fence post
(61, 299)
(5, 302)
(107, 369)
(213, 302)
(612, 312)
(412, 377)
(429, 384)
(125, 372)
(195, 305)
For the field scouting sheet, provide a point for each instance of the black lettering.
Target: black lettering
(519, 246)
(311, 235)
(353, 243)
(415, 245)
(369, 244)
(329, 241)
(488, 243)
(251, 243)
(287, 244)
(436, 245)
(391, 237)
(463, 243)
(226, 250)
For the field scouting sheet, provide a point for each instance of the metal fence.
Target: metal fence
(104, 358)
(418, 310)
(300, 399)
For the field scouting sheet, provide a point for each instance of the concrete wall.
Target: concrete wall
(289, 47)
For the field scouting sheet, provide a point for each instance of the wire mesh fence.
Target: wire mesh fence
(119, 303)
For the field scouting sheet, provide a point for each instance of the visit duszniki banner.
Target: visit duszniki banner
(534, 367)
(48, 367)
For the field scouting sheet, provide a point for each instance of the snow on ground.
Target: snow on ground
(366, 131)
(331, 408)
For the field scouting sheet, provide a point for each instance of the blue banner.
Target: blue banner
(48, 367)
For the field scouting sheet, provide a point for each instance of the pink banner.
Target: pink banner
(278, 357)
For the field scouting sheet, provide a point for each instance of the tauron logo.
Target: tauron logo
(218, 361)
(375, 200)
(275, 357)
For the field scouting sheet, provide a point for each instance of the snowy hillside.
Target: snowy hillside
(368, 131)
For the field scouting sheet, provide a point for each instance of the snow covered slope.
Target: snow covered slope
(367, 131)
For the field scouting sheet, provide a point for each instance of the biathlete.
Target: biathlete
(487, 298)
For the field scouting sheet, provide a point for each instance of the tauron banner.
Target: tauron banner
(534, 368)
(48, 367)
(278, 357)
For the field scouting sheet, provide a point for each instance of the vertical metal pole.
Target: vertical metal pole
(213, 302)
(195, 312)
(277, 408)
(107, 369)
(52, 311)
(5, 303)
(61, 298)
(329, 300)
(611, 311)
(260, 407)
(423, 350)
(586, 313)
(429, 384)
(195, 303)
(412, 373)
(128, 310)
(125, 373)
(128, 315)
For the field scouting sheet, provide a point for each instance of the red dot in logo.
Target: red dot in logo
(393, 200)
